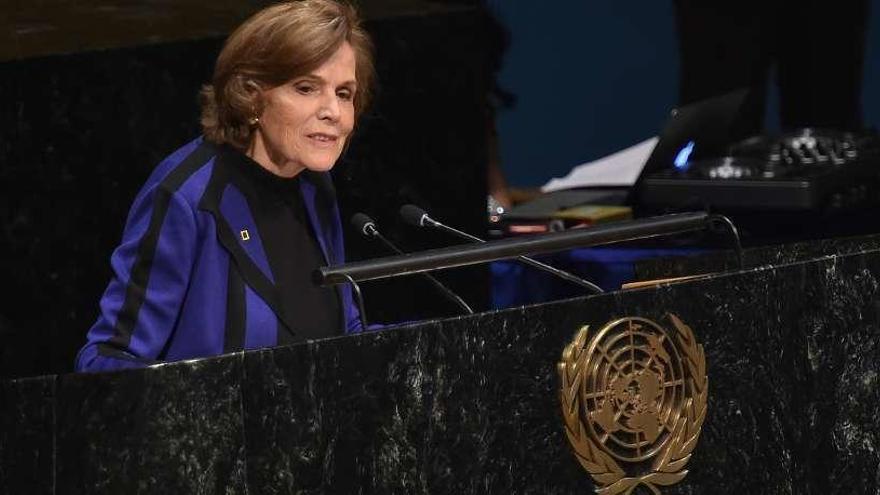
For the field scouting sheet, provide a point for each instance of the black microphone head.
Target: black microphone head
(413, 215)
(363, 224)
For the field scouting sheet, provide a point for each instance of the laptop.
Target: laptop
(697, 130)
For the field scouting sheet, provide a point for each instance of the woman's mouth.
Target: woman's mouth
(320, 137)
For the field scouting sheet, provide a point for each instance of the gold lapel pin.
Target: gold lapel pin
(245, 235)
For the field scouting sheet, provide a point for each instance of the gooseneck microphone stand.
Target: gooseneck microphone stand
(471, 254)
(365, 225)
(417, 217)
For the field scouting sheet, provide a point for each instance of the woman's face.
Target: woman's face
(305, 122)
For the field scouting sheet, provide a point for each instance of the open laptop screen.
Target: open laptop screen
(703, 129)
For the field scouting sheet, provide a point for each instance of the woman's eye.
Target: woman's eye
(344, 94)
(305, 88)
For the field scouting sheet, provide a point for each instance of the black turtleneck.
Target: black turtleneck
(293, 252)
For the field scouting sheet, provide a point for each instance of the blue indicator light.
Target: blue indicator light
(681, 159)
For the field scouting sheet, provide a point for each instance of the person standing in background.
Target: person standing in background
(816, 47)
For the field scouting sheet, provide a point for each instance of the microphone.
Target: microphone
(365, 226)
(418, 217)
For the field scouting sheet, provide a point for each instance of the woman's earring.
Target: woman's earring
(254, 121)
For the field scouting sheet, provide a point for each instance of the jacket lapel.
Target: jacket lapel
(309, 193)
(237, 232)
(323, 227)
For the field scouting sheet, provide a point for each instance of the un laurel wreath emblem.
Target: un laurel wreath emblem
(634, 399)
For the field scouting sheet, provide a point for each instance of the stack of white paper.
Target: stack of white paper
(617, 169)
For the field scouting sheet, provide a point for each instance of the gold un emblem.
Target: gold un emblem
(633, 399)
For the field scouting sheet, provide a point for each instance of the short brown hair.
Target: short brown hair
(275, 45)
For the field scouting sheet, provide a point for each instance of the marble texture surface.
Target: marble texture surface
(169, 429)
(723, 260)
(470, 404)
(27, 436)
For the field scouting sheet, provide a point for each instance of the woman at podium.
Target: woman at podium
(220, 243)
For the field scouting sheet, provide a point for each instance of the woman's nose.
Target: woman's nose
(329, 109)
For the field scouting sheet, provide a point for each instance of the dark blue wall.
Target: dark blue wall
(594, 77)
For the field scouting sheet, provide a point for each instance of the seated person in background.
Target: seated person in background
(219, 245)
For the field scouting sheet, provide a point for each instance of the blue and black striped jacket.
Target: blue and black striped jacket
(191, 277)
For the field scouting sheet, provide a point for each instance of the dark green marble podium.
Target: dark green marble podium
(469, 405)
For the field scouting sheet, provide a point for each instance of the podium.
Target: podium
(472, 404)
